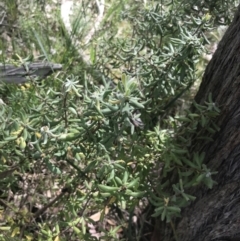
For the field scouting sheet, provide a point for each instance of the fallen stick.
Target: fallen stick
(24, 73)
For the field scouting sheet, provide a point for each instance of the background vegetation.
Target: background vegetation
(86, 153)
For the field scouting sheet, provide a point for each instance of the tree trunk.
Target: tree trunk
(215, 215)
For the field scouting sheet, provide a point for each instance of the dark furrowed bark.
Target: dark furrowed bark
(215, 215)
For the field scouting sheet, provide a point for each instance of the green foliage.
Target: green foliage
(110, 130)
(182, 162)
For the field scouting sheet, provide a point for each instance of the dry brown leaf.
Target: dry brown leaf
(96, 217)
